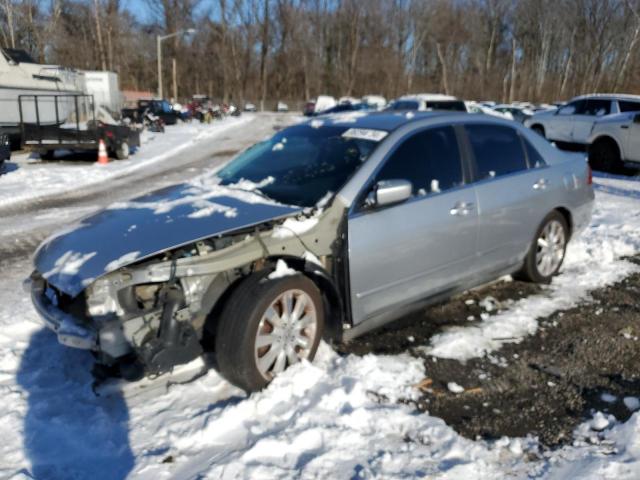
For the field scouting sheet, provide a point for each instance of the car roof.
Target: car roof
(384, 120)
(608, 96)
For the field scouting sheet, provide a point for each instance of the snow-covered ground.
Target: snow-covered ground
(337, 418)
(32, 179)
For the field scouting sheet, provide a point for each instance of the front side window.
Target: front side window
(302, 164)
(497, 150)
(430, 160)
(627, 106)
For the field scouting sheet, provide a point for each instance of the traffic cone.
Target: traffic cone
(103, 158)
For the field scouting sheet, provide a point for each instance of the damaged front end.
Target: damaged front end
(148, 316)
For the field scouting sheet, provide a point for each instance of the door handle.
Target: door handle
(540, 184)
(461, 208)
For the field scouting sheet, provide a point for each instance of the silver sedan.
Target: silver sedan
(331, 228)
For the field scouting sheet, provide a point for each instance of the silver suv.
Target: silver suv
(330, 228)
(574, 122)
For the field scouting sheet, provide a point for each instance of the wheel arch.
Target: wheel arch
(566, 213)
(333, 303)
(538, 125)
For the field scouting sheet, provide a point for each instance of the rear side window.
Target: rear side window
(498, 150)
(598, 108)
(430, 160)
(627, 106)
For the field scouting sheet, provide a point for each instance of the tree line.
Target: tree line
(252, 50)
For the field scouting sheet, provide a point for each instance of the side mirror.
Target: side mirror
(636, 119)
(388, 192)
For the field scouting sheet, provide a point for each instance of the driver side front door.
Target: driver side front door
(402, 253)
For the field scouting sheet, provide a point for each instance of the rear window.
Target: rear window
(627, 106)
(451, 105)
(498, 150)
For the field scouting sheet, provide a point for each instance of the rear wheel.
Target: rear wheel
(547, 250)
(122, 152)
(266, 326)
(604, 155)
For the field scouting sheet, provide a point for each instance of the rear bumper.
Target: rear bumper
(70, 331)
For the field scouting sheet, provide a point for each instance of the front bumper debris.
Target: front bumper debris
(70, 331)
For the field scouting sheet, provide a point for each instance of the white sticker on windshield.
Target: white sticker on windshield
(365, 134)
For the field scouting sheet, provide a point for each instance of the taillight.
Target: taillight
(589, 175)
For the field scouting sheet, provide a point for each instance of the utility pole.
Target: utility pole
(159, 39)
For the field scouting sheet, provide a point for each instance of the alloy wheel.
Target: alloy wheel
(286, 332)
(550, 248)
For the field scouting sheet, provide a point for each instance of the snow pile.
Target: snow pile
(282, 270)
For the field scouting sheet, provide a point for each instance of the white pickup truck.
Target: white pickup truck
(606, 125)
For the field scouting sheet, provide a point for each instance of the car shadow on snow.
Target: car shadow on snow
(68, 431)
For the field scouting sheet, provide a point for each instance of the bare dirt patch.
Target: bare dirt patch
(580, 360)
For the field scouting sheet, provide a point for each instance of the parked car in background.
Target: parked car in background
(157, 107)
(249, 107)
(518, 113)
(426, 102)
(616, 139)
(282, 107)
(574, 122)
(475, 107)
(374, 102)
(325, 230)
(344, 107)
(320, 104)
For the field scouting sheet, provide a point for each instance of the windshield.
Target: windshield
(302, 164)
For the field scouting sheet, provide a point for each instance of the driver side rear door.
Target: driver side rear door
(402, 253)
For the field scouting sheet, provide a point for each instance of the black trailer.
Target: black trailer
(68, 122)
(5, 148)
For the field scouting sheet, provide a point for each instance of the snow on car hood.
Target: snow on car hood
(168, 218)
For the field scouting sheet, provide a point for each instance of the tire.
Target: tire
(48, 155)
(245, 316)
(539, 129)
(122, 152)
(604, 155)
(533, 270)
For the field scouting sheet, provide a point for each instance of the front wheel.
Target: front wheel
(547, 251)
(266, 326)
